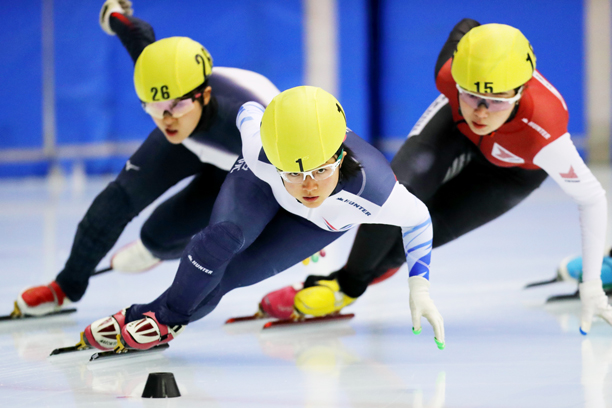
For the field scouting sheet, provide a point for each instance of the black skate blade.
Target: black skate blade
(307, 320)
(66, 350)
(13, 317)
(126, 352)
(541, 283)
(557, 298)
(80, 346)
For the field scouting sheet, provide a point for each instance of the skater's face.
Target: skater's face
(178, 129)
(311, 193)
(483, 119)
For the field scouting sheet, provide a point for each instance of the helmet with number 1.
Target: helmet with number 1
(170, 68)
(302, 128)
(493, 58)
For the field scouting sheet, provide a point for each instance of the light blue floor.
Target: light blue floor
(505, 348)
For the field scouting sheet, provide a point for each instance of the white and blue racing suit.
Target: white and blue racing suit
(257, 229)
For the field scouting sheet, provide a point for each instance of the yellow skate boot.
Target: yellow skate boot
(323, 299)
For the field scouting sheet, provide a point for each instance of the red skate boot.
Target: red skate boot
(40, 300)
(146, 333)
(102, 334)
(279, 304)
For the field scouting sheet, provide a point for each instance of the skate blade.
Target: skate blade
(240, 319)
(542, 283)
(16, 314)
(558, 298)
(80, 346)
(307, 321)
(259, 315)
(126, 354)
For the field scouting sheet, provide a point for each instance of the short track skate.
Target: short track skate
(16, 314)
(120, 350)
(568, 296)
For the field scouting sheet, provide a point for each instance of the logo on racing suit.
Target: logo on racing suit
(197, 265)
(505, 155)
(354, 204)
(239, 165)
(129, 166)
(332, 228)
(570, 176)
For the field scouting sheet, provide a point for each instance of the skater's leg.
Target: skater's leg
(481, 193)
(149, 173)
(174, 222)
(244, 207)
(284, 242)
(482, 186)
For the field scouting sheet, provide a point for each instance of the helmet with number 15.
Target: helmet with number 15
(493, 58)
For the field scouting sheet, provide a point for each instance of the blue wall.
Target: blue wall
(96, 103)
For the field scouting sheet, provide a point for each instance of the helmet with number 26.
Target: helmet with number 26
(493, 58)
(302, 128)
(170, 68)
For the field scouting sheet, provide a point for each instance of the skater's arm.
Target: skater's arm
(408, 212)
(454, 37)
(135, 34)
(405, 210)
(561, 161)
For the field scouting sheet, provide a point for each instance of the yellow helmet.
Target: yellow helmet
(170, 68)
(302, 128)
(493, 58)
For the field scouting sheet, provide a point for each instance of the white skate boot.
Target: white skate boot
(134, 258)
(102, 334)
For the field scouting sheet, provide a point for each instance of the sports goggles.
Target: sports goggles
(175, 107)
(318, 174)
(493, 104)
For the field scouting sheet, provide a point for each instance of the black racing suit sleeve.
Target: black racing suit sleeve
(454, 37)
(135, 34)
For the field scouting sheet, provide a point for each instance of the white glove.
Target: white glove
(594, 303)
(421, 305)
(113, 6)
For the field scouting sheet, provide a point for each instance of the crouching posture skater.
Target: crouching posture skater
(194, 107)
(304, 179)
(496, 132)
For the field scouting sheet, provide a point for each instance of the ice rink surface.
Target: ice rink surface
(505, 346)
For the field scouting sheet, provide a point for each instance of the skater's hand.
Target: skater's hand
(113, 6)
(594, 303)
(421, 305)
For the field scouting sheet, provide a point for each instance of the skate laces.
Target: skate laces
(149, 329)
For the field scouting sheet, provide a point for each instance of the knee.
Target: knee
(111, 207)
(217, 243)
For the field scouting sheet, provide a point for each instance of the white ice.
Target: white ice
(505, 347)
